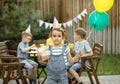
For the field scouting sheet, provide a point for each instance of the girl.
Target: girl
(49, 40)
(57, 70)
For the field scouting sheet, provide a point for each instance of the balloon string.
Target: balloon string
(89, 34)
(89, 4)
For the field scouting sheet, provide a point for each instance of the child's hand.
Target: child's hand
(80, 53)
(75, 59)
(32, 46)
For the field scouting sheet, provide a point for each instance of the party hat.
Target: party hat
(28, 30)
(56, 23)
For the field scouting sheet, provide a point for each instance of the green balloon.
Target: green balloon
(98, 21)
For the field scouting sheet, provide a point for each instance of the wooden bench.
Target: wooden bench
(14, 70)
(9, 59)
(4, 49)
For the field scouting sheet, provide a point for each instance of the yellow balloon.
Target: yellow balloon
(103, 5)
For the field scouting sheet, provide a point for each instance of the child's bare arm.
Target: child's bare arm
(71, 59)
(87, 54)
(27, 49)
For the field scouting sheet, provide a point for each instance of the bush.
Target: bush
(15, 18)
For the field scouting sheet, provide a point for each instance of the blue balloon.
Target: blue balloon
(98, 21)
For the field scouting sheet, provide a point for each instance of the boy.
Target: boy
(22, 51)
(83, 48)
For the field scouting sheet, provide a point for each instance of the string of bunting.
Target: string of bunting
(65, 24)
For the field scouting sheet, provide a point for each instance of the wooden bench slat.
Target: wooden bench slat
(10, 66)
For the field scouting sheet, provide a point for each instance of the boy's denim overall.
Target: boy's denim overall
(57, 73)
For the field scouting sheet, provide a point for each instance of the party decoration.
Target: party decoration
(69, 23)
(65, 24)
(50, 25)
(98, 21)
(79, 17)
(103, 5)
(40, 23)
(75, 20)
(56, 23)
(46, 25)
(84, 12)
(28, 30)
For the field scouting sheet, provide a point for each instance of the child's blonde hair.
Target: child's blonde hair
(25, 34)
(58, 29)
(81, 32)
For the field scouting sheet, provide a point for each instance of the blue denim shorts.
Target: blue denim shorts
(29, 64)
(76, 66)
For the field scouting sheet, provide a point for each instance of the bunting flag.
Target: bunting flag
(79, 17)
(50, 25)
(84, 12)
(47, 25)
(75, 20)
(65, 24)
(69, 23)
(40, 23)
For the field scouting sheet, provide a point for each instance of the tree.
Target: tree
(15, 16)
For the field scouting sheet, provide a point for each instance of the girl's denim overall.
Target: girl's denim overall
(57, 73)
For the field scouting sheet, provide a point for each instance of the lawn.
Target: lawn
(109, 65)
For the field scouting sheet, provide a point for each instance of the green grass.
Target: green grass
(109, 65)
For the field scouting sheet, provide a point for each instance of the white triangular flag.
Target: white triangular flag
(69, 23)
(84, 12)
(47, 25)
(40, 23)
(56, 23)
(64, 25)
(75, 20)
(79, 17)
(50, 25)
(28, 30)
